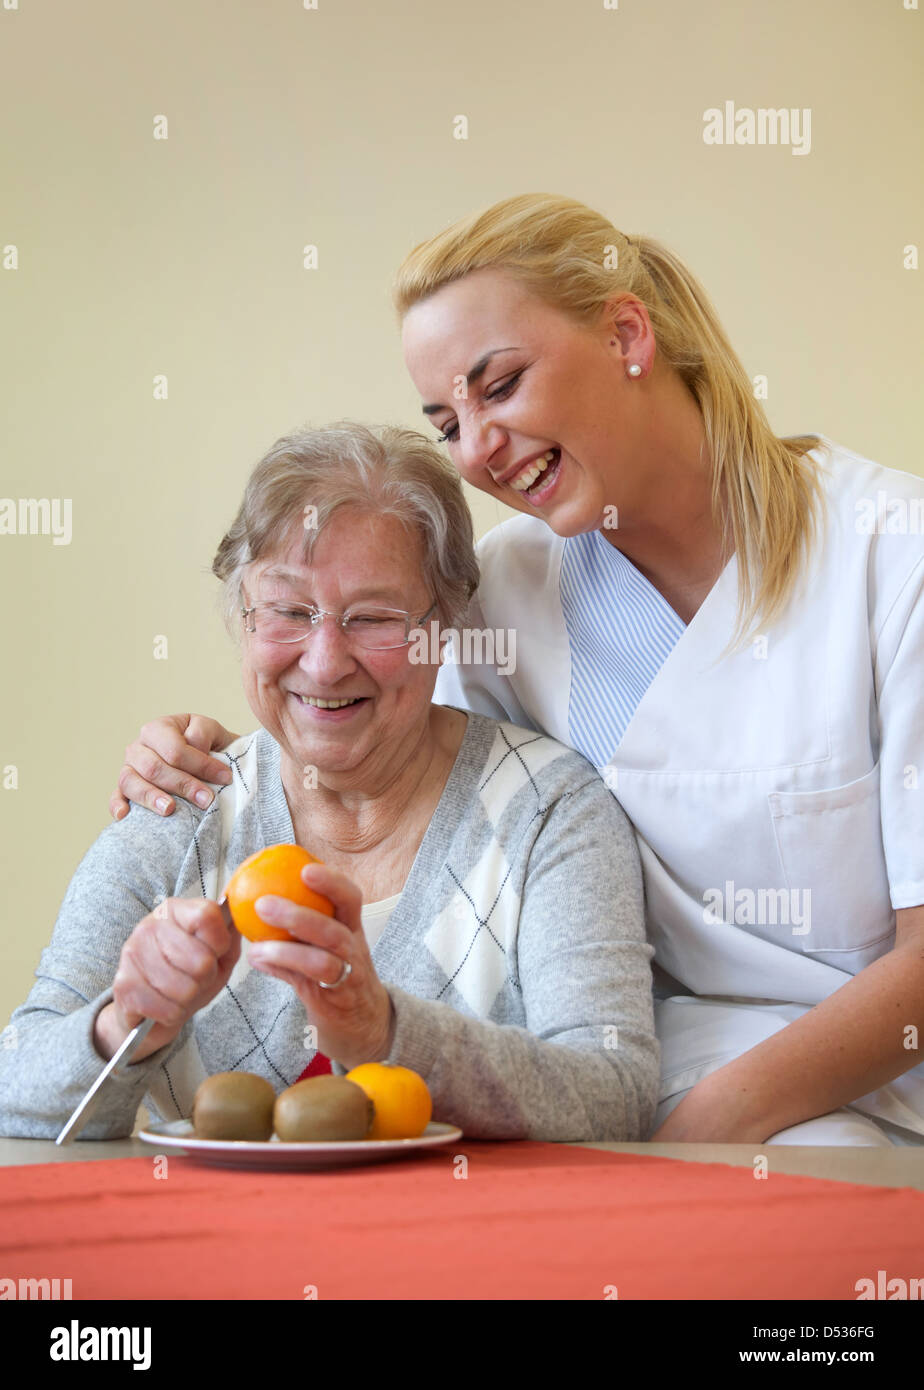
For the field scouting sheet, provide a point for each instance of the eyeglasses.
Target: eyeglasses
(363, 624)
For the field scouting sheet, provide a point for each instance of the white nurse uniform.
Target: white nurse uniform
(777, 792)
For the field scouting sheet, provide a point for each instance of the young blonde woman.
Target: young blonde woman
(729, 625)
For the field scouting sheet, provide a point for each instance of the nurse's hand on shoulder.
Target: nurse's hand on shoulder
(170, 755)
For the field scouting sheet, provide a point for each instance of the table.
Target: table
(897, 1167)
(530, 1220)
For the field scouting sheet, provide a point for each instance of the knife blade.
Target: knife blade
(120, 1058)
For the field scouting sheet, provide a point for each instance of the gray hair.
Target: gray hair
(387, 472)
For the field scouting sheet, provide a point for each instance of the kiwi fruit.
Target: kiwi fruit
(323, 1108)
(234, 1105)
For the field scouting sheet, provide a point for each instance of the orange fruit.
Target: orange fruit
(403, 1105)
(276, 870)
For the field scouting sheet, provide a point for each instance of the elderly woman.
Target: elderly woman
(488, 927)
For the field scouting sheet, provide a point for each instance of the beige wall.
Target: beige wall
(334, 126)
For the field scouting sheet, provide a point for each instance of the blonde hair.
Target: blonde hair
(766, 492)
(388, 472)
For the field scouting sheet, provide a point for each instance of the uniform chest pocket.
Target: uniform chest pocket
(830, 848)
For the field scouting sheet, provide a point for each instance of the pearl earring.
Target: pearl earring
(635, 370)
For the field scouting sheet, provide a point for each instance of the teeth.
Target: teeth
(327, 704)
(529, 475)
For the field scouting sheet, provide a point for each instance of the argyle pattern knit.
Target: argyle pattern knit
(515, 957)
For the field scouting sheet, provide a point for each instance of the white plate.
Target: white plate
(274, 1153)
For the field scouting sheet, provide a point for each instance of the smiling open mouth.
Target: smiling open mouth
(539, 473)
(329, 704)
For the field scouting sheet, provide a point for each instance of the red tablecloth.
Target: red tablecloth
(531, 1220)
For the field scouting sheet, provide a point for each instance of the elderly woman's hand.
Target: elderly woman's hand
(355, 1021)
(173, 964)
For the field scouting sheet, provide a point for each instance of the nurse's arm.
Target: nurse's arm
(862, 1036)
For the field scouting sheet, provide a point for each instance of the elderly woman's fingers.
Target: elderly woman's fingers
(203, 919)
(355, 1019)
(340, 889)
(356, 1015)
(196, 954)
(295, 963)
(147, 986)
(311, 927)
(145, 971)
(175, 961)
